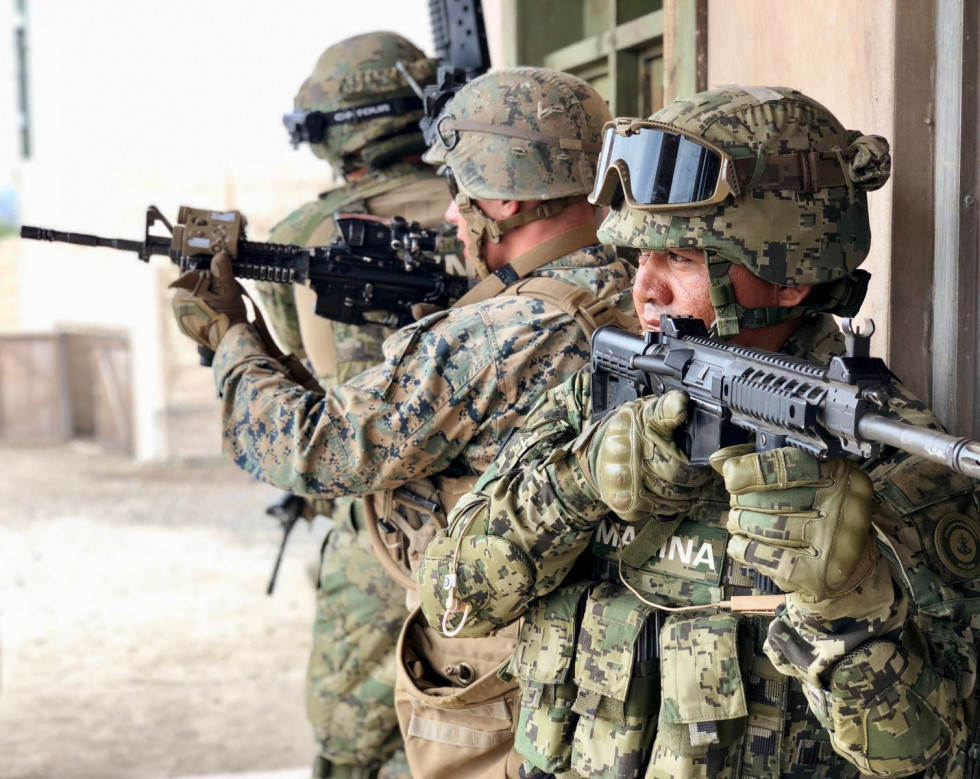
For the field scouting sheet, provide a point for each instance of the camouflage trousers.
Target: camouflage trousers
(351, 675)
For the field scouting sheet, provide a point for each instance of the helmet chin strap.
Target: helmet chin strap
(722, 294)
(731, 317)
(476, 232)
(842, 297)
(481, 228)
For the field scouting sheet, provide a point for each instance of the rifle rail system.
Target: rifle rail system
(737, 392)
(374, 272)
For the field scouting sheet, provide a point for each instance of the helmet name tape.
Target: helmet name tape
(310, 126)
(401, 105)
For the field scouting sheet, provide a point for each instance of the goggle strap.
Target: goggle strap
(572, 144)
(841, 159)
(761, 162)
(800, 171)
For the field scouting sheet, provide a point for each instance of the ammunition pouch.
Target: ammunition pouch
(543, 665)
(616, 710)
(456, 705)
(704, 705)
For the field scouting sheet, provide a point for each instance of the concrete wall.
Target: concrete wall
(839, 52)
(139, 103)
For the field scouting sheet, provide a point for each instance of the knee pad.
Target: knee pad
(885, 709)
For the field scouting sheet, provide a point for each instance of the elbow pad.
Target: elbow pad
(887, 712)
(473, 584)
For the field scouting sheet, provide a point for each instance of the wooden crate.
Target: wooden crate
(54, 387)
(35, 406)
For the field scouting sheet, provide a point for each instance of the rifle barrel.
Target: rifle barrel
(960, 454)
(83, 239)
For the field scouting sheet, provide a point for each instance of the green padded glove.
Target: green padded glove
(639, 471)
(804, 523)
(208, 303)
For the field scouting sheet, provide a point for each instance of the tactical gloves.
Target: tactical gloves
(804, 523)
(807, 525)
(639, 470)
(208, 303)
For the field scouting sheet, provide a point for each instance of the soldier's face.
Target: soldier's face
(676, 282)
(672, 282)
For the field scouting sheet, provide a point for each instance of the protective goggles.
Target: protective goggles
(663, 168)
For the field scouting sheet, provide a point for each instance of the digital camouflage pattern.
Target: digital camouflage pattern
(359, 609)
(522, 134)
(361, 71)
(827, 231)
(614, 705)
(351, 674)
(443, 399)
(543, 664)
(785, 502)
(886, 707)
(448, 391)
(637, 441)
(411, 190)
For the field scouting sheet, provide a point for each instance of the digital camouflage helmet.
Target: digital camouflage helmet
(528, 134)
(358, 108)
(764, 177)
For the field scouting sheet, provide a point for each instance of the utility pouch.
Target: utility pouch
(616, 676)
(704, 702)
(455, 707)
(542, 665)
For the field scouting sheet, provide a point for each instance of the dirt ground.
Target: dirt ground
(136, 638)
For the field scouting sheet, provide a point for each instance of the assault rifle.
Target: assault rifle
(288, 510)
(740, 393)
(460, 39)
(374, 272)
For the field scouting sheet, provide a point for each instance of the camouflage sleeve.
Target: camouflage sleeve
(531, 515)
(890, 685)
(406, 418)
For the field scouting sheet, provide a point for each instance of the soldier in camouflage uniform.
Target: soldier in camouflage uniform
(629, 662)
(377, 153)
(435, 412)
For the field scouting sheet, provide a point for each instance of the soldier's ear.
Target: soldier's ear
(510, 207)
(499, 209)
(788, 297)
